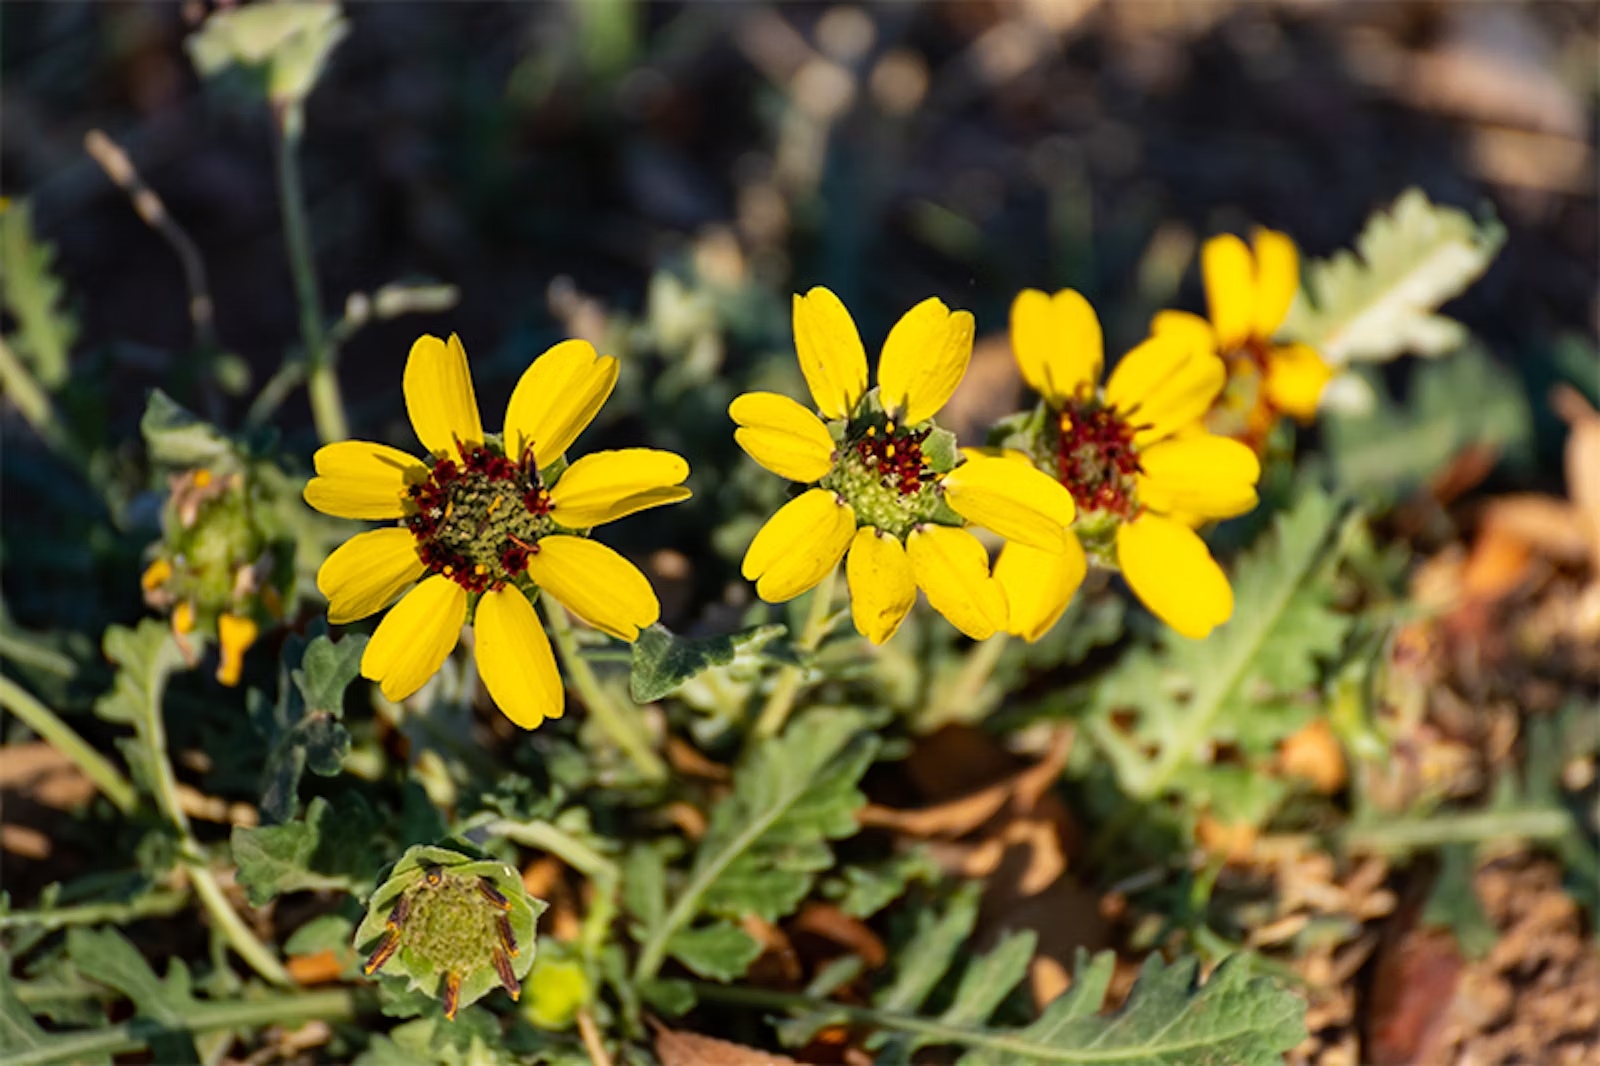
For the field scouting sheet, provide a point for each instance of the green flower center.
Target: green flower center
(884, 476)
(458, 925)
(1095, 458)
(477, 520)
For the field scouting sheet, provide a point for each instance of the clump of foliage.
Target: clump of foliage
(436, 885)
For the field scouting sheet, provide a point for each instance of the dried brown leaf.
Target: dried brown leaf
(676, 1048)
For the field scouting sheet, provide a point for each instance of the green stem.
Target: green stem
(956, 700)
(331, 1005)
(1407, 833)
(157, 904)
(233, 929)
(61, 736)
(780, 701)
(24, 390)
(623, 727)
(322, 381)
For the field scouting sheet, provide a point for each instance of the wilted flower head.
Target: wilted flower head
(218, 567)
(889, 488)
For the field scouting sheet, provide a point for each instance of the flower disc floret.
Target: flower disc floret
(1096, 458)
(476, 521)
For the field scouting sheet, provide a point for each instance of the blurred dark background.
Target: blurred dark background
(529, 152)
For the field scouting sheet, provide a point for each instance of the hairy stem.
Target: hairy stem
(322, 381)
(622, 726)
(157, 904)
(331, 1005)
(232, 928)
(780, 702)
(61, 736)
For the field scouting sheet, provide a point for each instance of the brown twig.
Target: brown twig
(119, 168)
(590, 1032)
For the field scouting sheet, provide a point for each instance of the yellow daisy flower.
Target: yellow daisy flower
(886, 487)
(1249, 292)
(486, 521)
(1140, 467)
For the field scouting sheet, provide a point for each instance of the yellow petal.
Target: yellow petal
(1229, 273)
(596, 584)
(1296, 376)
(439, 397)
(415, 637)
(367, 572)
(1202, 475)
(1163, 385)
(155, 575)
(782, 436)
(605, 486)
(235, 634)
(800, 544)
(829, 349)
(924, 360)
(1169, 567)
(952, 568)
(1039, 585)
(556, 399)
(882, 588)
(1058, 343)
(1016, 500)
(1193, 330)
(514, 659)
(356, 479)
(1277, 280)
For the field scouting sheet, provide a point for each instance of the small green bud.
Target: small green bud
(455, 925)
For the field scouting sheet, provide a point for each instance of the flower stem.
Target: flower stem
(61, 736)
(228, 923)
(955, 701)
(322, 381)
(157, 904)
(86, 1045)
(780, 701)
(623, 727)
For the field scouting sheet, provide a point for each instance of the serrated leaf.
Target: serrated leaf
(929, 952)
(1189, 694)
(1465, 400)
(864, 889)
(472, 1039)
(145, 657)
(1232, 1019)
(719, 951)
(18, 1031)
(302, 729)
(769, 838)
(664, 661)
(106, 956)
(333, 847)
(34, 296)
(1378, 302)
